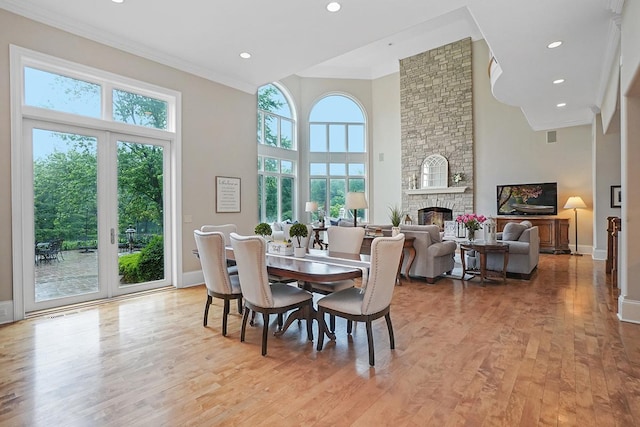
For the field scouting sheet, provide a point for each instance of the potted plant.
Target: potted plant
(263, 229)
(395, 215)
(299, 231)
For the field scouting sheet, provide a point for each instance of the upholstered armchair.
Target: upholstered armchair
(524, 250)
(372, 302)
(212, 254)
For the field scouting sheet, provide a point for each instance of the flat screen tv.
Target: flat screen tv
(528, 199)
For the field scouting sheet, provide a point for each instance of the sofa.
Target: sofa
(524, 248)
(434, 257)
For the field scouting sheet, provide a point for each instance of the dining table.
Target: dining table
(316, 266)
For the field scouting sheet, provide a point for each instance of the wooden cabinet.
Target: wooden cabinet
(553, 231)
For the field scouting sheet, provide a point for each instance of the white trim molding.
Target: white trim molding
(628, 310)
(6, 312)
(443, 190)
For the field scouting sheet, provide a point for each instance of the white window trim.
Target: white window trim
(21, 57)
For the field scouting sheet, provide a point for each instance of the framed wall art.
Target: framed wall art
(227, 194)
(616, 196)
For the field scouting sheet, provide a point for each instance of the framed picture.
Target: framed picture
(450, 229)
(227, 194)
(616, 196)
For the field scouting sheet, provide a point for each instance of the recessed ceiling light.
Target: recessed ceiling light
(562, 104)
(245, 55)
(334, 6)
(118, 1)
(554, 44)
(558, 81)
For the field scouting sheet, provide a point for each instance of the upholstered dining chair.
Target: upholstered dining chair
(372, 302)
(261, 296)
(225, 229)
(347, 240)
(212, 254)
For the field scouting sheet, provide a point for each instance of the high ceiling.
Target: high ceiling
(365, 39)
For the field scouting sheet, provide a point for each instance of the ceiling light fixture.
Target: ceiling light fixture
(558, 81)
(334, 6)
(118, 1)
(562, 104)
(245, 55)
(554, 44)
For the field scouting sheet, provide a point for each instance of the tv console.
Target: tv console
(553, 231)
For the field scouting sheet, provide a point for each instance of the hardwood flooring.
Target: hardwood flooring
(549, 351)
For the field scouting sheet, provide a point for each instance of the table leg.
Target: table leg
(483, 265)
(464, 264)
(504, 267)
(412, 257)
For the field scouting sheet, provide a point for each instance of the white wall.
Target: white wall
(507, 151)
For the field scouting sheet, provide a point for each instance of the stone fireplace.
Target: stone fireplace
(436, 114)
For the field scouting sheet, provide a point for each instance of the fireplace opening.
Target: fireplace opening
(434, 215)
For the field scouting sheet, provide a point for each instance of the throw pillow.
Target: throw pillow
(527, 224)
(512, 231)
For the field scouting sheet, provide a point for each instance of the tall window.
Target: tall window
(277, 155)
(338, 152)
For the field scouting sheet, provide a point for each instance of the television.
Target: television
(528, 199)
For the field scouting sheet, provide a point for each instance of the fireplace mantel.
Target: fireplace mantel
(444, 190)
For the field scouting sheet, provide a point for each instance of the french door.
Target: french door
(95, 214)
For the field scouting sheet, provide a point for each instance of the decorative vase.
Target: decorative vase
(299, 252)
(471, 235)
(395, 231)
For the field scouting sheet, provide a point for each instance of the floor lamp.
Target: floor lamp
(355, 201)
(575, 203)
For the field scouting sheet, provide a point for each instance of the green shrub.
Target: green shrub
(151, 264)
(128, 267)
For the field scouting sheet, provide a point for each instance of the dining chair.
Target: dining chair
(374, 300)
(225, 229)
(259, 295)
(212, 254)
(346, 240)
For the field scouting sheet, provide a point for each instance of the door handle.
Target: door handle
(113, 236)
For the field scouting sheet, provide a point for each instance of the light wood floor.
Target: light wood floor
(549, 351)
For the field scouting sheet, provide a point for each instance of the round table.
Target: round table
(483, 249)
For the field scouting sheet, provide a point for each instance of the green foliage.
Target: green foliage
(298, 230)
(151, 266)
(128, 267)
(395, 215)
(263, 229)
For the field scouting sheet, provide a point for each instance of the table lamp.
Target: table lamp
(311, 207)
(355, 201)
(575, 203)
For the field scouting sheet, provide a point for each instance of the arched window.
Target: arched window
(337, 152)
(435, 170)
(277, 155)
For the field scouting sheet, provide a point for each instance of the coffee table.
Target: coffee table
(483, 249)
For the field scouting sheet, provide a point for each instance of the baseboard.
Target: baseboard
(600, 254)
(628, 310)
(6, 312)
(192, 278)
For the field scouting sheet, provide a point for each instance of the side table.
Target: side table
(408, 246)
(318, 239)
(483, 249)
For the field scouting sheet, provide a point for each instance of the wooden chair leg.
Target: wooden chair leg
(280, 321)
(225, 313)
(349, 327)
(253, 318)
(370, 342)
(244, 323)
(265, 332)
(240, 305)
(392, 340)
(332, 323)
(309, 321)
(321, 331)
(206, 310)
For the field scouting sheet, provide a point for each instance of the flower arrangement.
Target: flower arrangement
(472, 222)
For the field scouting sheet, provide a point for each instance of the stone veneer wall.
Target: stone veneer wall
(436, 110)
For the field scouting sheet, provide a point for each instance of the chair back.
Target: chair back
(304, 241)
(345, 239)
(385, 257)
(213, 259)
(250, 255)
(225, 229)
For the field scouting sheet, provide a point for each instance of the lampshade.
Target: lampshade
(575, 202)
(310, 207)
(356, 201)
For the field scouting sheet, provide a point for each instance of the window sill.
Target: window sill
(444, 190)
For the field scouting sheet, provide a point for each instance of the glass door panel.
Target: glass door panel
(65, 218)
(141, 214)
